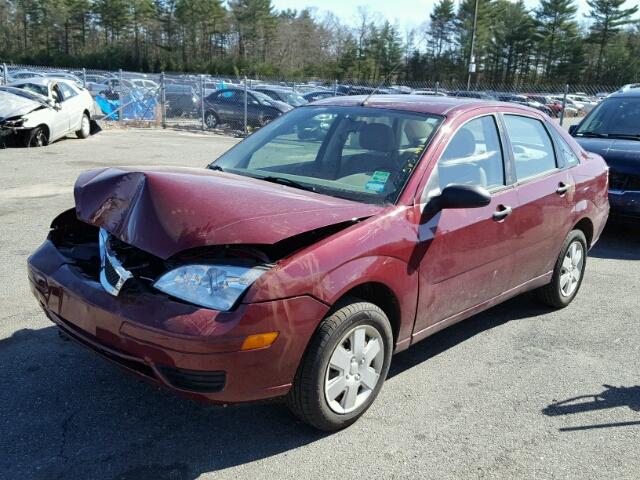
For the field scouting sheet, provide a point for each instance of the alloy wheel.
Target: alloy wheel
(85, 126)
(572, 266)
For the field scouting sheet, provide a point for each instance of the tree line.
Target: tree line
(547, 44)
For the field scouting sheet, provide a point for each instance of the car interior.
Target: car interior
(372, 154)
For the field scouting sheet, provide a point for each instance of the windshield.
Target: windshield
(296, 100)
(614, 116)
(32, 87)
(24, 93)
(358, 153)
(263, 98)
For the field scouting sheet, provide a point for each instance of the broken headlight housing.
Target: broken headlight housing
(212, 286)
(14, 122)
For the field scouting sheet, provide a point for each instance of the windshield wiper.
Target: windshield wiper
(288, 182)
(625, 136)
(593, 134)
(217, 168)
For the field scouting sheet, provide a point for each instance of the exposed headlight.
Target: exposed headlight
(211, 286)
(14, 122)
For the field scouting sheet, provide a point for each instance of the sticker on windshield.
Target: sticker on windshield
(379, 176)
(374, 186)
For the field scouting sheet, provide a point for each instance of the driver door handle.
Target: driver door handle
(562, 188)
(502, 212)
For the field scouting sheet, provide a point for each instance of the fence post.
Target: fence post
(245, 106)
(84, 77)
(120, 95)
(564, 103)
(163, 103)
(5, 73)
(335, 87)
(437, 87)
(202, 101)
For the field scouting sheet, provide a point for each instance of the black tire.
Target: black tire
(211, 119)
(36, 137)
(85, 127)
(552, 293)
(306, 399)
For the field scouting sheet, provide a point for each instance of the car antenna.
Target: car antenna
(393, 70)
(384, 80)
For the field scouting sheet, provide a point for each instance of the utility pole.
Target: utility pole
(472, 58)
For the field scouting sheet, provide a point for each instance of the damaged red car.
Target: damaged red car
(302, 259)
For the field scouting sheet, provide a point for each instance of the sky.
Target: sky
(408, 13)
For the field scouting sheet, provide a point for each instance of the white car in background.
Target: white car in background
(145, 84)
(583, 102)
(38, 111)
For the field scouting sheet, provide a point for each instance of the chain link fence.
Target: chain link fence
(237, 105)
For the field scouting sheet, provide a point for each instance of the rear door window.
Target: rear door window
(531, 144)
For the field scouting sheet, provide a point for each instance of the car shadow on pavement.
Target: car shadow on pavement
(520, 307)
(619, 240)
(611, 397)
(66, 413)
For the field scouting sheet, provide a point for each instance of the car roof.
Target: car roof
(632, 90)
(45, 81)
(419, 103)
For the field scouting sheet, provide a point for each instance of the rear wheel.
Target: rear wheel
(36, 137)
(567, 273)
(211, 119)
(344, 368)
(85, 127)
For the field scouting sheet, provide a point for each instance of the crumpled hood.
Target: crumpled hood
(168, 210)
(621, 155)
(14, 106)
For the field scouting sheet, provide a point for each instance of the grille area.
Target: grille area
(194, 380)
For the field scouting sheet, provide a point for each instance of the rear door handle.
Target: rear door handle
(562, 188)
(502, 212)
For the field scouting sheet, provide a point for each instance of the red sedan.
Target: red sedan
(297, 263)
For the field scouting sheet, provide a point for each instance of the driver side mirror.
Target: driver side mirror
(573, 129)
(55, 105)
(462, 196)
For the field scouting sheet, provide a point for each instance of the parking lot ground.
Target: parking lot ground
(488, 398)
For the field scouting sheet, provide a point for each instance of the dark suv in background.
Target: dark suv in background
(612, 130)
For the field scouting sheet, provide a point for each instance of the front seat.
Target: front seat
(379, 140)
(456, 164)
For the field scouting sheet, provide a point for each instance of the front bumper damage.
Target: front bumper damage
(190, 350)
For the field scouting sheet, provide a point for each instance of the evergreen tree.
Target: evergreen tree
(608, 17)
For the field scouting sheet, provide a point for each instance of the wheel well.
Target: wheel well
(45, 128)
(586, 227)
(381, 296)
(87, 113)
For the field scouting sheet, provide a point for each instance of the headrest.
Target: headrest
(377, 136)
(462, 145)
(417, 130)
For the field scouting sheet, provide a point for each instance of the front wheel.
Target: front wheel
(36, 137)
(568, 272)
(85, 127)
(344, 367)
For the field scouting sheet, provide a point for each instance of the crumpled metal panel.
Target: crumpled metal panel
(168, 210)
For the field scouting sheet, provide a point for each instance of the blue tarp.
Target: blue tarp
(135, 107)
